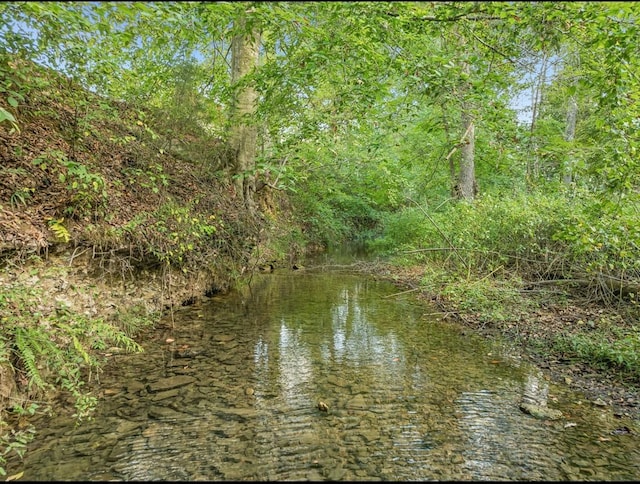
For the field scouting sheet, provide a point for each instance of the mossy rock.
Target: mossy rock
(540, 411)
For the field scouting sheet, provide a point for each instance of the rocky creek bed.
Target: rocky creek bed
(229, 389)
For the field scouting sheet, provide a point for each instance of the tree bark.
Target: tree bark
(466, 186)
(245, 49)
(533, 166)
(569, 135)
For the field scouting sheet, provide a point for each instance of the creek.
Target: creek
(229, 389)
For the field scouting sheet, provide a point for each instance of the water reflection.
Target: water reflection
(295, 369)
(492, 447)
(234, 398)
(536, 389)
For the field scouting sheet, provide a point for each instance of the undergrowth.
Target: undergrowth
(49, 348)
(484, 258)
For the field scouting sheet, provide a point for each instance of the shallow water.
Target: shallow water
(228, 389)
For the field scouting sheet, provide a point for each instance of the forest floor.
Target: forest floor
(533, 332)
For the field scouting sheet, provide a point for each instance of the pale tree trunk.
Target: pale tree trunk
(569, 135)
(245, 49)
(572, 120)
(466, 188)
(533, 166)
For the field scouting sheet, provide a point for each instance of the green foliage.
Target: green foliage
(53, 350)
(57, 349)
(608, 346)
(13, 80)
(486, 299)
(539, 235)
(605, 240)
(335, 213)
(321, 223)
(129, 322)
(59, 230)
(7, 116)
(406, 229)
(31, 344)
(182, 109)
(512, 232)
(153, 177)
(324, 81)
(87, 188)
(13, 441)
(174, 234)
(516, 232)
(20, 196)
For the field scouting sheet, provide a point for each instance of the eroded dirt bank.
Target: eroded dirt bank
(100, 287)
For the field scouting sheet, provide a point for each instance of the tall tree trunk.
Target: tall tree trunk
(572, 119)
(569, 135)
(245, 48)
(466, 186)
(533, 166)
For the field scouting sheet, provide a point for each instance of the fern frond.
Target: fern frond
(105, 331)
(81, 350)
(59, 230)
(25, 348)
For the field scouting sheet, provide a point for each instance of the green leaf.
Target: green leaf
(6, 116)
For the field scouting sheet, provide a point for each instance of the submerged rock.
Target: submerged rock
(540, 411)
(170, 383)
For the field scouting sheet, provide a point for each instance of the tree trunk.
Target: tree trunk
(466, 188)
(245, 48)
(569, 135)
(573, 61)
(533, 166)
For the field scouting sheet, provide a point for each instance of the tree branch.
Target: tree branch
(492, 48)
(455, 18)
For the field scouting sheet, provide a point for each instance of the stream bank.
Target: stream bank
(531, 335)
